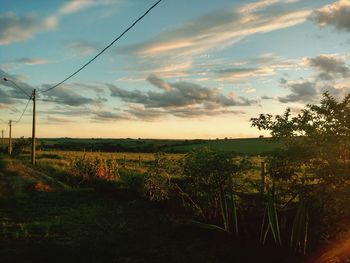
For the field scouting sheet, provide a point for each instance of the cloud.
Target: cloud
(78, 5)
(137, 112)
(179, 99)
(332, 76)
(164, 67)
(222, 69)
(266, 98)
(109, 116)
(5, 98)
(66, 110)
(82, 48)
(65, 95)
(249, 90)
(256, 67)
(336, 15)
(56, 120)
(330, 66)
(304, 91)
(181, 94)
(23, 61)
(240, 73)
(14, 92)
(31, 61)
(201, 112)
(159, 83)
(218, 29)
(3, 106)
(283, 81)
(16, 28)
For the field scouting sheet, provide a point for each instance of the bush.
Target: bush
(210, 177)
(157, 182)
(20, 145)
(95, 168)
(132, 181)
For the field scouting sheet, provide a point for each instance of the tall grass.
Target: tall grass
(94, 168)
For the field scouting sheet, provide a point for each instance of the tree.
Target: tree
(314, 159)
(318, 137)
(210, 177)
(19, 146)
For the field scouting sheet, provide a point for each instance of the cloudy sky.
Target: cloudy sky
(190, 69)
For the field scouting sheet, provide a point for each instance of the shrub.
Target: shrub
(132, 181)
(157, 182)
(95, 168)
(210, 177)
(20, 145)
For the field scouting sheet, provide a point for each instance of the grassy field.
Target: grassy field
(53, 161)
(243, 146)
(45, 220)
(250, 146)
(82, 214)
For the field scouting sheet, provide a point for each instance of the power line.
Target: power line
(103, 50)
(6, 79)
(25, 109)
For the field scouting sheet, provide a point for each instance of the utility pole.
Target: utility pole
(33, 131)
(10, 139)
(2, 137)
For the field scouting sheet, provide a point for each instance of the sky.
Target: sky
(189, 69)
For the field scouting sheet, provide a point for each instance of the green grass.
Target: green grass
(244, 146)
(83, 224)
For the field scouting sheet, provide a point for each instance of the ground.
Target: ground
(43, 220)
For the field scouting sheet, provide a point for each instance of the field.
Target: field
(43, 213)
(243, 146)
(195, 201)
(250, 146)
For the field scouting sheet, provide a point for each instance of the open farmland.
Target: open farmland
(276, 201)
(251, 146)
(175, 131)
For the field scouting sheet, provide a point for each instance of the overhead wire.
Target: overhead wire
(25, 109)
(29, 98)
(103, 50)
(81, 68)
(14, 83)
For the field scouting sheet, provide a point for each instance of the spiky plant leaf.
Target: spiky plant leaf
(298, 241)
(207, 226)
(273, 220)
(234, 213)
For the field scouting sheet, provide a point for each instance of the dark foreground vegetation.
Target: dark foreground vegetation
(208, 206)
(44, 220)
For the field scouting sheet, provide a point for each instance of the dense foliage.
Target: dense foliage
(314, 162)
(20, 145)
